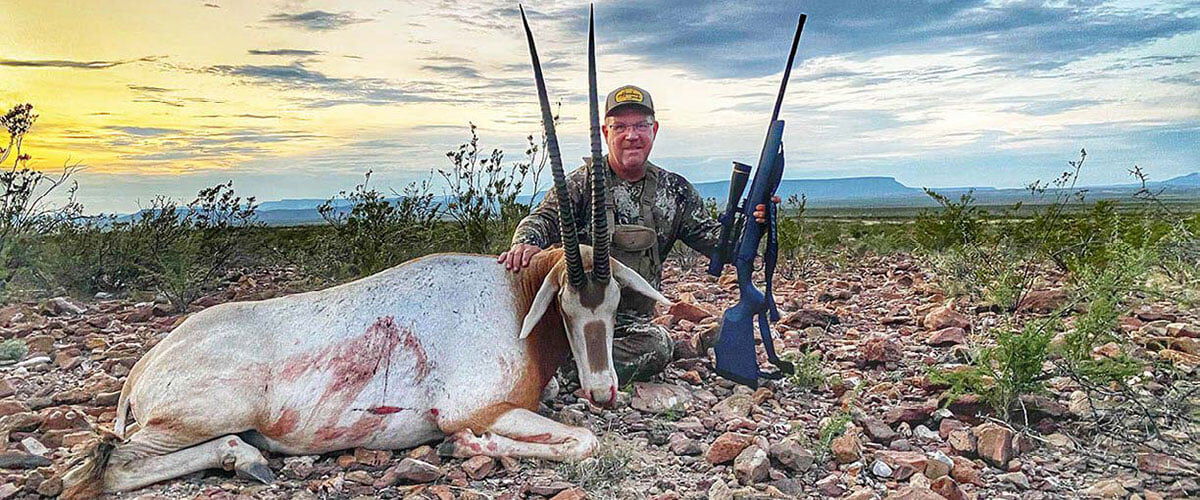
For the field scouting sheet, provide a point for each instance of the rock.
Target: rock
(59, 419)
(903, 463)
(1160, 463)
(76, 438)
(40, 344)
(479, 466)
(879, 350)
(659, 398)
(62, 306)
(21, 460)
(72, 396)
(1042, 301)
(914, 493)
(938, 465)
(945, 317)
(372, 458)
(805, 318)
(549, 488)
(1183, 330)
(571, 494)
(682, 445)
(964, 471)
(689, 311)
(1018, 479)
(751, 466)
(912, 413)
(947, 488)
(32, 445)
(50, 487)
(994, 443)
(427, 454)
(737, 405)
(416, 471)
(727, 447)
(830, 486)
(719, 491)
(7, 490)
(6, 388)
(881, 469)
(962, 441)
(1107, 488)
(846, 448)
(360, 477)
(876, 430)
(298, 467)
(948, 336)
(792, 455)
(924, 433)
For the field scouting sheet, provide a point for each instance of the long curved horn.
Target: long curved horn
(566, 211)
(600, 236)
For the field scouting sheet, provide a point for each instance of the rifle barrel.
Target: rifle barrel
(787, 71)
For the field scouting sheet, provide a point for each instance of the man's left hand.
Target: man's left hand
(760, 211)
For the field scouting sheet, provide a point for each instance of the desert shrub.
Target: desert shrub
(483, 195)
(832, 427)
(1001, 374)
(955, 224)
(809, 374)
(13, 349)
(375, 232)
(602, 474)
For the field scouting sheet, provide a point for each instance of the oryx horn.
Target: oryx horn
(600, 237)
(566, 212)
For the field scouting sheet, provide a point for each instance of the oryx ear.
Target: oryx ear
(629, 278)
(541, 302)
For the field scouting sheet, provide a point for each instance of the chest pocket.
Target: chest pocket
(636, 246)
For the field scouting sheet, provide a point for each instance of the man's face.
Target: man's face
(630, 135)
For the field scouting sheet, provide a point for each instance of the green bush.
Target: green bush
(377, 233)
(13, 349)
(955, 224)
(1001, 374)
(809, 374)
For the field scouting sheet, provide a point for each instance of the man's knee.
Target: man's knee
(643, 352)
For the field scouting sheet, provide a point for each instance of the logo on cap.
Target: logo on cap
(628, 95)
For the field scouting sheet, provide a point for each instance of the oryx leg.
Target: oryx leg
(523, 433)
(149, 457)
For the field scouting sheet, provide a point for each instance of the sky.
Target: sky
(299, 99)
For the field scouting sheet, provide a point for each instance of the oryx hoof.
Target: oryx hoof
(258, 472)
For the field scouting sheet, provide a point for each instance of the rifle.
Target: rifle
(736, 358)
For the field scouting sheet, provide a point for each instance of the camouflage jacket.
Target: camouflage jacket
(679, 212)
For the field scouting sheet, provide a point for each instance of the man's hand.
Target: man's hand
(760, 211)
(517, 257)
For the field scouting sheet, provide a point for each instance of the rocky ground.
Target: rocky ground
(873, 426)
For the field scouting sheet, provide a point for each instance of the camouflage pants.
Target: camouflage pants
(641, 349)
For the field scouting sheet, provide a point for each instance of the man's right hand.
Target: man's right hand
(517, 257)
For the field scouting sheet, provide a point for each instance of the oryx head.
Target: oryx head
(587, 295)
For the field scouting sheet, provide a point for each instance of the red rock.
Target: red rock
(372, 458)
(425, 453)
(727, 447)
(689, 311)
(344, 461)
(880, 350)
(1042, 301)
(944, 317)
(1160, 463)
(994, 443)
(903, 463)
(571, 494)
(962, 441)
(77, 437)
(947, 488)
(846, 448)
(479, 466)
(914, 493)
(6, 388)
(948, 336)
(10, 407)
(751, 466)
(913, 413)
(964, 471)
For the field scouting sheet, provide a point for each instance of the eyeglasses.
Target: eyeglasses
(621, 128)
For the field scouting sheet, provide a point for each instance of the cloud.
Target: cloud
(284, 52)
(145, 131)
(340, 91)
(54, 63)
(750, 39)
(464, 72)
(316, 20)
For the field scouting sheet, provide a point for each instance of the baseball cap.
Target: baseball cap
(628, 95)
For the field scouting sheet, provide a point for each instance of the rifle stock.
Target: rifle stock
(737, 359)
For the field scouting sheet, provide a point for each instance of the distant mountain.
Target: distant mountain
(820, 190)
(848, 192)
(1192, 179)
